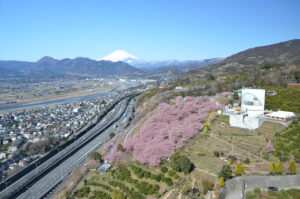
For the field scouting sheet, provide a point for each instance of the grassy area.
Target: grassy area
(287, 142)
(287, 98)
(283, 194)
(149, 94)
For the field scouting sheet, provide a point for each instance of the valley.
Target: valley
(149, 99)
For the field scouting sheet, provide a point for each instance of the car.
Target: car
(272, 189)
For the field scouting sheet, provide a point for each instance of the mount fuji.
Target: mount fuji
(119, 55)
(158, 66)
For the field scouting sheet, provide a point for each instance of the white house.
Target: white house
(281, 115)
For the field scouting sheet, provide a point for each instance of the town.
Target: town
(26, 135)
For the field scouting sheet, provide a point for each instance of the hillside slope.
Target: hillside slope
(277, 64)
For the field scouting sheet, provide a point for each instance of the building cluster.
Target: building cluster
(53, 124)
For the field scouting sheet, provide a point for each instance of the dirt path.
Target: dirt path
(167, 195)
(207, 172)
(128, 134)
(233, 146)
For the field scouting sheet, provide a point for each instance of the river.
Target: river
(65, 100)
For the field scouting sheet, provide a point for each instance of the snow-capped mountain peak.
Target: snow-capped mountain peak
(119, 55)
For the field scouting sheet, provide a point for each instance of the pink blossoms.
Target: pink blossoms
(167, 129)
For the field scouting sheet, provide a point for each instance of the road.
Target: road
(236, 187)
(69, 158)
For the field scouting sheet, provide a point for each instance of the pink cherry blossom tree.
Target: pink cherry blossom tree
(168, 129)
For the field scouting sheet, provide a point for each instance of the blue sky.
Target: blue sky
(149, 29)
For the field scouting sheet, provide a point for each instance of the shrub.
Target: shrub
(292, 167)
(287, 142)
(168, 181)
(217, 153)
(276, 168)
(257, 191)
(101, 195)
(207, 185)
(131, 193)
(111, 135)
(181, 163)
(120, 148)
(82, 192)
(121, 173)
(176, 177)
(118, 195)
(279, 168)
(164, 169)
(185, 189)
(251, 195)
(97, 156)
(247, 161)
(239, 169)
(221, 182)
(104, 186)
(226, 172)
(171, 173)
(272, 168)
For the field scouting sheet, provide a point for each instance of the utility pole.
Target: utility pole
(243, 188)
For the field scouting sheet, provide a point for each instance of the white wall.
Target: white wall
(253, 101)
(246, 122)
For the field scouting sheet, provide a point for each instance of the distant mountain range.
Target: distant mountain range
(165, 66)
(48, 67)
(120, 63)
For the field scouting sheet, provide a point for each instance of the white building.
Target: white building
(253, 101)
(178, 88)
(2, 155)
(281, 115)
(251, 115)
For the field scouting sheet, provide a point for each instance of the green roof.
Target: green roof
(238, 90)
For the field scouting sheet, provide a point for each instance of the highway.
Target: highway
(52, 171)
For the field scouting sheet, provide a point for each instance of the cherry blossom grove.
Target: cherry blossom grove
(168, 129)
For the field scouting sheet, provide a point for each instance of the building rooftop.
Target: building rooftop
(104, 167)
(282, 114)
